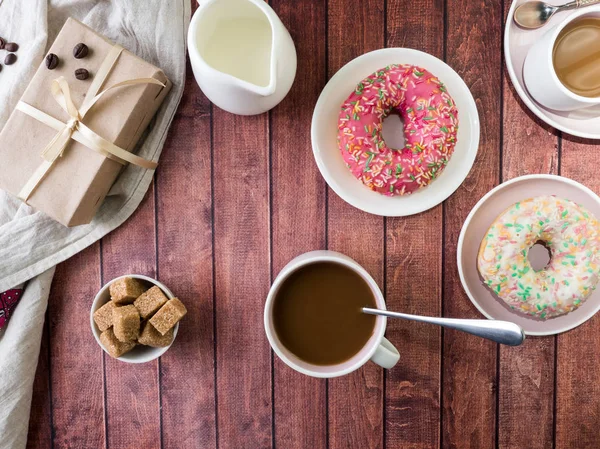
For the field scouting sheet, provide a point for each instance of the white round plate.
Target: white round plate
(584, 122)
(329, 158)
(478, 222)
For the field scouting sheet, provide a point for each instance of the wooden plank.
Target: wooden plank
(578, 385)
(76, 364)
(356, 401)
(469, 381)
(298, 218)
(242, 271)
(414, 252)
(526, 380)
(184, 233)
(132, 402)
(40, 420)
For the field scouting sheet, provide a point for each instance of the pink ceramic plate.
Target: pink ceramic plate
(478, 222)
(584, 122)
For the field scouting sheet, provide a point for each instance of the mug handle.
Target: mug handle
(386, 355)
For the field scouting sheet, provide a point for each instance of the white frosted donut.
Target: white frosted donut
(572, 235)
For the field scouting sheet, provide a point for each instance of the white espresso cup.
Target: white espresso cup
(377, 349)
(540, 77)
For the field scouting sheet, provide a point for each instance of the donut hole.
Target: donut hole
(539, 256)
(392, 131)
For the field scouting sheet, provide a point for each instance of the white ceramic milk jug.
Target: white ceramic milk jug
(243, 58)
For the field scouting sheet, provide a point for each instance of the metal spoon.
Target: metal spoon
(535, 14)
(503, 332)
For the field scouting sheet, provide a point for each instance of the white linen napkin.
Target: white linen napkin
(31, 244)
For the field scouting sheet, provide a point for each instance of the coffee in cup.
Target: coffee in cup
(576, 56)
(317, 313)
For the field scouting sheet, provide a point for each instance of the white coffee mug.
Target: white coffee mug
(377, 349)
(540, 77)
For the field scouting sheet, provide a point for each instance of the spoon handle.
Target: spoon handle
(503, 332)
(582, 3)
(575, 4)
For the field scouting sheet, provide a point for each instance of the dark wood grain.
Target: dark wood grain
(356, 401)
(132, 406)
(469, 367)
(298, 212)
(414, 251)
(526, 378)
(40, 420)
(185, 265)
(577, 381)
(242, 272)
(76, 364)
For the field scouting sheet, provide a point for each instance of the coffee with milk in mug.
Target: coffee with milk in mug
(576, 57)
(318, 313)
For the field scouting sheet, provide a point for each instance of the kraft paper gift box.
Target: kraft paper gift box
(73, 188)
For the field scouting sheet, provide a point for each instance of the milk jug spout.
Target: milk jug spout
(271, 89)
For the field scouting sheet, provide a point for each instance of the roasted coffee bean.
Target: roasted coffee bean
(51, 61)
(10, 59)
(82, 74)
(2, 43)
(80, 50)
(11, 46)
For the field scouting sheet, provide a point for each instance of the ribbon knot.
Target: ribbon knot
(57, 146)
(75, 129)
(62, 94)
(72, 124)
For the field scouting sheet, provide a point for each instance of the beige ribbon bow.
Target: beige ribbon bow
(75, 129)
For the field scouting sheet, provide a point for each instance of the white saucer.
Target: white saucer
(476, 225)
(329, 159)
(584, 122)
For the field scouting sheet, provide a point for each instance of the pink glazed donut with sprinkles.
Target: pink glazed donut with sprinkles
(430, 126)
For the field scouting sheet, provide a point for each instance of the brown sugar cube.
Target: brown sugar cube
(126, 323)
(112, 344)
(126, 290)
(168, 316)
(103, 316)
(149, 302)
(151, 337)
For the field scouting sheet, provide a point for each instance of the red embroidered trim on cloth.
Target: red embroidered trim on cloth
(8, 302)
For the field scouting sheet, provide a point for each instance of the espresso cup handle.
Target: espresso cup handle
(386, 355)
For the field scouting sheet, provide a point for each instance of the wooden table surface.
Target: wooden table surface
(235, 198)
